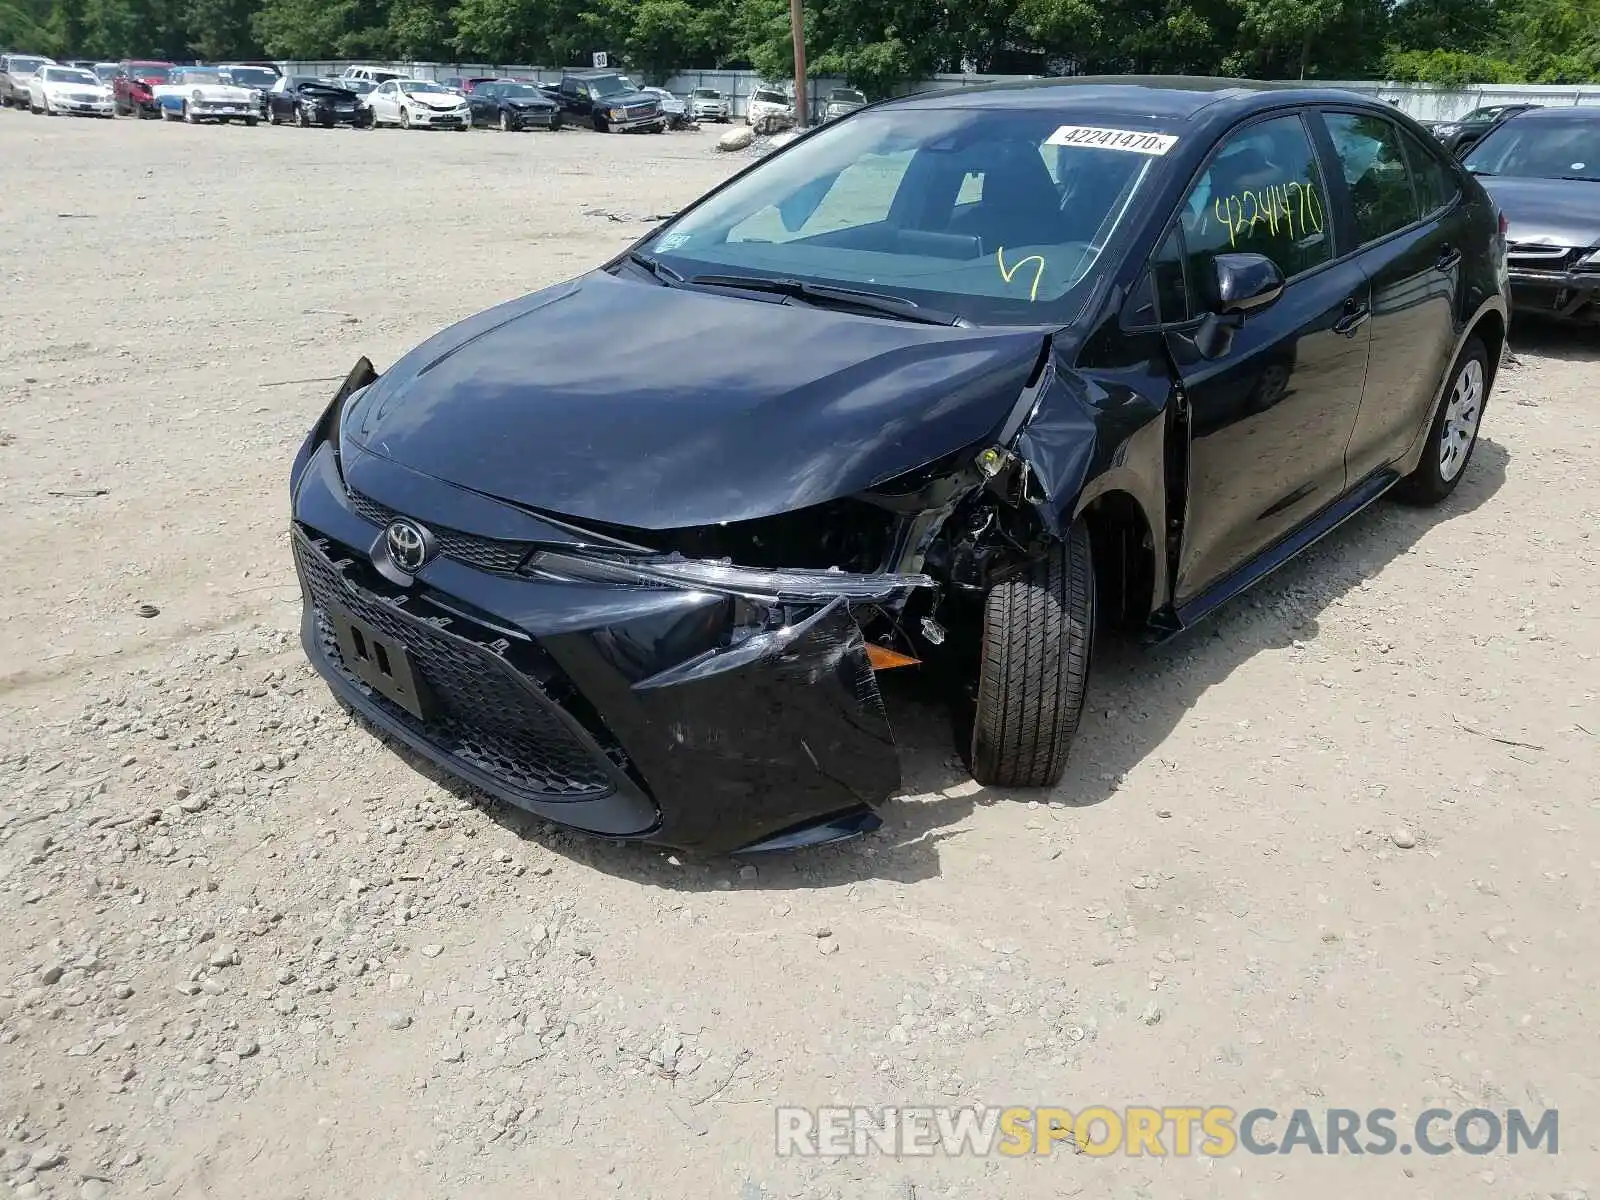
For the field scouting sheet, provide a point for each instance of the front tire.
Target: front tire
(505, 122)
(1038, 628)
(1453, 433)
(301, 119)
(189, 114)
(251, 122)
(405, 119)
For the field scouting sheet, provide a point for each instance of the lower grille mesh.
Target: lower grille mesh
(488, 716)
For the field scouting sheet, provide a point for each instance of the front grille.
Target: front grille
(1529, 256)
(490, 716)
(486, 554)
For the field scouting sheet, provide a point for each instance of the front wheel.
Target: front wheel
(505, 122)
(1453, 434)
(601, 125)
(1038, 627)
(251, 122)
(405, 119)
(301, 119)
(189, 114)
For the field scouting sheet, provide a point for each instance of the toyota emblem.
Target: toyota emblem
(409, 545)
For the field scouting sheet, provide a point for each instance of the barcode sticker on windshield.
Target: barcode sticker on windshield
(1134, 141)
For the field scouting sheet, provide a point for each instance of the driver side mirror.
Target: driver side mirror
(1243, 284)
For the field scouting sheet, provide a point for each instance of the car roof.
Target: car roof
(1172, 97)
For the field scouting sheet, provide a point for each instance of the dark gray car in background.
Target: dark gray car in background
(1542, 167)
(1460, 135)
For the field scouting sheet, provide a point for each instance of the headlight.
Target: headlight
(797, 584)
(618, 114)
(196, 96)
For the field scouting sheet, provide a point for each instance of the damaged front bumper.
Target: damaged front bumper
(1565, 295)
(668, 700)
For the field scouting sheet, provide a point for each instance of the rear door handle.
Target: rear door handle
(1448, 257)
(1355, 316)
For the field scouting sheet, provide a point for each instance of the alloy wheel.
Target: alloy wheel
(1463, 411)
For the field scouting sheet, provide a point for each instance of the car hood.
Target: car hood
(635, 404)
(1553, 212)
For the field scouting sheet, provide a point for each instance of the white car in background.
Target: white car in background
(196, 94)
(418, 104)
(57, 90)
(767, 102)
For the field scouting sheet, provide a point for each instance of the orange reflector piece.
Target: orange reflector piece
(884, 659)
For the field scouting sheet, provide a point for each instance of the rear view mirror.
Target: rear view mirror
(1243, 284)
(796, 209)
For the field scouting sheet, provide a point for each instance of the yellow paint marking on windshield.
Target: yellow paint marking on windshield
(1273, 206)
(1007, 274)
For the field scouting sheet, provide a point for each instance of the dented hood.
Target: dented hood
(655, 407)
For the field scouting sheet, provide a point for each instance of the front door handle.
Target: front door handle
(1448, 257)
(1355, 316)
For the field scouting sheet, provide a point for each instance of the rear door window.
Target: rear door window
(1436, 183)
(1382, 198)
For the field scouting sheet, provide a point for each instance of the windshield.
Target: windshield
(415, 87)
(706, 94)
(106, 71)
(69, 75)
(1548, 148)
(608, 85)
(770, 97)
(975, 212)
(519, 89)
(24, 66)
(150, 74)
(256, 77)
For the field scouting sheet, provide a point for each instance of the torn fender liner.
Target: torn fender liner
(790, 734)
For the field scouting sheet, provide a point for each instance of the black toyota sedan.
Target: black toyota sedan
(1543, 170)
(307, 101)
(944, 386)
(512, 104)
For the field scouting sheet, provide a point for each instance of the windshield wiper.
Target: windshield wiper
(659, 269)
(1580, 178)
(824, 296)
(1478, 171)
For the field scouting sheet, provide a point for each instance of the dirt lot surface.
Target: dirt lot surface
(1337, 849)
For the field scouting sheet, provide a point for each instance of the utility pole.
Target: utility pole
(802, 98)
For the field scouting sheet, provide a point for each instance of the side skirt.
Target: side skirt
(1275, 555)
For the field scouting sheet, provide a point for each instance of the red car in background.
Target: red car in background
(464, 85)
(131, 88)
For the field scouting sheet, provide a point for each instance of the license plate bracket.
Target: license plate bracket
(380, 662)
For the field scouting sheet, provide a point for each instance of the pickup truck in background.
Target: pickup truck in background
(605, 100)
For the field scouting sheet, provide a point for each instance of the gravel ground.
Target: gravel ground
(1336, 849)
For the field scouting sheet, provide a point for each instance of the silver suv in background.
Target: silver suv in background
(708, 104)
(841, 101)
